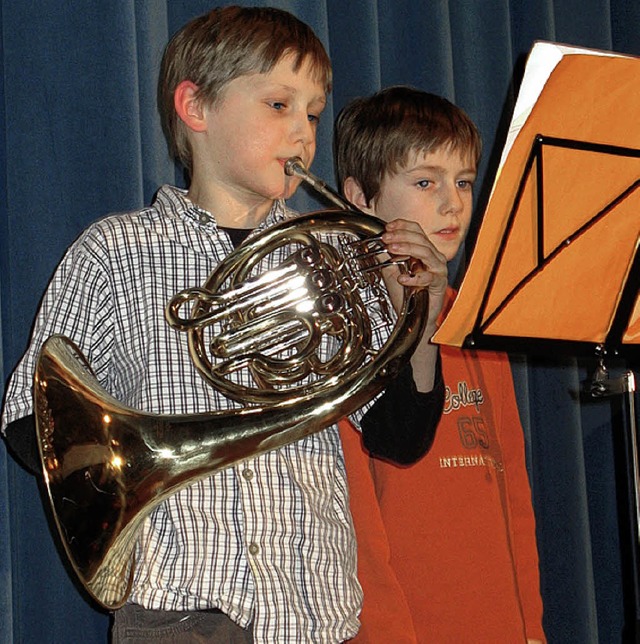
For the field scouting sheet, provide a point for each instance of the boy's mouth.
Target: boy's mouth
(283, 160)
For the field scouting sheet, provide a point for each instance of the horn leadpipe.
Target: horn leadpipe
(295, 166)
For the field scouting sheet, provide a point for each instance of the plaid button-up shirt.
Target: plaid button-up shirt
(269, 541)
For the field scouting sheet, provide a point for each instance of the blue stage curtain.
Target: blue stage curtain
(81, 138)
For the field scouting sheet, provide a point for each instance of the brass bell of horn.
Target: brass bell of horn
(107, 466)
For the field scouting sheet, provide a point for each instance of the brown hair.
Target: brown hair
(222, 45)
(373, 136)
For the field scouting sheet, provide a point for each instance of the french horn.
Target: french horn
(107, 466)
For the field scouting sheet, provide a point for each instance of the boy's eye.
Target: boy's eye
(424, 183)
(278, 105)
(465, 184)
(313, 118)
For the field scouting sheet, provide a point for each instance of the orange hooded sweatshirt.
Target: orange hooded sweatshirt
(446, 547)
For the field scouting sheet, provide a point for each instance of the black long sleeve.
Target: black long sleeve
(20, 437)
(401, 425)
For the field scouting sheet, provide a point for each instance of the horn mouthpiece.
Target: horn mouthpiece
(294, 165)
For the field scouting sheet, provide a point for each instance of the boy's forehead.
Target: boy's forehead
(291, 75)
(447, 152)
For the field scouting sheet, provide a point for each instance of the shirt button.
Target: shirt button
(254, 548)
(204, 219)
(247, 473)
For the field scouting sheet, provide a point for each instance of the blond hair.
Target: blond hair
(222, 45)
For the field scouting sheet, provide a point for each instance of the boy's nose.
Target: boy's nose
(451, 202)
(303, 130)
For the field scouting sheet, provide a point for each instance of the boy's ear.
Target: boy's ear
(354, 193)
(188, 106)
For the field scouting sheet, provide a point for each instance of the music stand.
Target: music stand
(556, 266)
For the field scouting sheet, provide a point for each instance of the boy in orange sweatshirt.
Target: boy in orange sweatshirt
(446, 547)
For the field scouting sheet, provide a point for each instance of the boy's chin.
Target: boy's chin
(289, 189)
(448, 249)
(281, 195)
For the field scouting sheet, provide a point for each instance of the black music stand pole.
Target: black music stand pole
(624, 387)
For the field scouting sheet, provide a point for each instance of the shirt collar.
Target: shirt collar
(174, 202)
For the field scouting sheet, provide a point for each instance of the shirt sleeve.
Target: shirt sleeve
(401, 424)
(76, 304)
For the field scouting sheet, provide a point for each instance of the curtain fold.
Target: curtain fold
(81, 138)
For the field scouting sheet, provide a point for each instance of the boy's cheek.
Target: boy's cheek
(381, 213)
